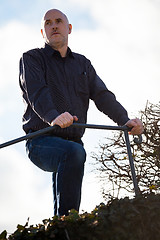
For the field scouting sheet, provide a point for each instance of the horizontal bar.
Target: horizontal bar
(27, 136)
(50, 129)
(104, 127)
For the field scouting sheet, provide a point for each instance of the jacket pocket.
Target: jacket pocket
(82, 86)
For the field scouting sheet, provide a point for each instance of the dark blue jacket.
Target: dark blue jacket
(52, 85)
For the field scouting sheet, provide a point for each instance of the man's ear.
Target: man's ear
(70, 28)
(42, 32)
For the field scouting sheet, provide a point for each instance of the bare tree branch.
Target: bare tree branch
(112, 163)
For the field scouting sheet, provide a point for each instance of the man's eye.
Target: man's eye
(47, 23)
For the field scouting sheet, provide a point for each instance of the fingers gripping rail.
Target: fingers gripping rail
(137, 140)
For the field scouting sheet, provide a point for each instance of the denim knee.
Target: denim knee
(76, 154)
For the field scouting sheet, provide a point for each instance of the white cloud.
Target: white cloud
(15, 38)
(24, 192)
(125, 49)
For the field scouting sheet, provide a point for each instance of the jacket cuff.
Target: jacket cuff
(122, 121)
(50, 116)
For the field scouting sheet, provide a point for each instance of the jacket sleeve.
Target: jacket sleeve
(105, 100)
(35, 90)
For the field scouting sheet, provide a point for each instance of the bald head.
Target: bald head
(53, 11)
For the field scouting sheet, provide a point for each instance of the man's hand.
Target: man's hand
(64, 120)
(136, 125)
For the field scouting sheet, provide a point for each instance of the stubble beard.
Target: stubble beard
(58, 44)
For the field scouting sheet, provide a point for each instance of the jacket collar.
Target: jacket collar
(50, 51)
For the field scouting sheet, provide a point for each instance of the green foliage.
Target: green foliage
(120, 219)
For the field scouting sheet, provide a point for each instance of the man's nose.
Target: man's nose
(54, 25)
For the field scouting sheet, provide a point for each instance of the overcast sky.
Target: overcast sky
(122, 40)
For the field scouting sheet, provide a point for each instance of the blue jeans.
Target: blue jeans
(66, 160)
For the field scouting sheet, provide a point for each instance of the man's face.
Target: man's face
(56, 29)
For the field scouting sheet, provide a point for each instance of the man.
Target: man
(57, 85)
